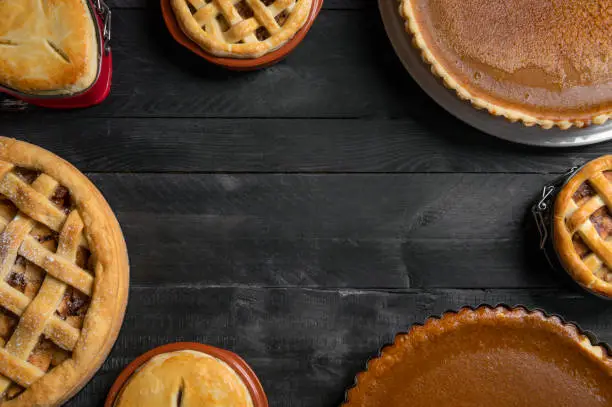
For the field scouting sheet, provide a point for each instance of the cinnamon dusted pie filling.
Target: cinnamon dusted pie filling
(487, 357)
(542, 62)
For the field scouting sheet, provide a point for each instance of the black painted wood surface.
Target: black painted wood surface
(303, 214)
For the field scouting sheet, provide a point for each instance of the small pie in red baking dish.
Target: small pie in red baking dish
(48, 47)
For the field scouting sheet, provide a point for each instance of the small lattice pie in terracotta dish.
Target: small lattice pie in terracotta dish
(582, 226)
(241, 28)
(488, 357)
(185, 378)
(48, 47)
(64, 277)
(541, 62)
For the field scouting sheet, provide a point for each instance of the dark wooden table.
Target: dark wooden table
(303, 214)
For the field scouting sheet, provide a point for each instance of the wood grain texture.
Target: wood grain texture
(354, 75)
(398, 231)
(280, 145)
(305, 345)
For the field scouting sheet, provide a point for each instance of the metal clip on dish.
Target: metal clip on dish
(105, 14)
(542, 209)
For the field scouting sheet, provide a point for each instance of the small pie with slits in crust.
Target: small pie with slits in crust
(488, 357)
(63, 277)
(48, 47)
(583, 226)
(540, 62)
(185, 379)
(241, 28)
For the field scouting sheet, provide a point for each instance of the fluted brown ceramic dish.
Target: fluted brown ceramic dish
(235, 362)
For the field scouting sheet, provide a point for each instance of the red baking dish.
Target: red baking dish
(100, 88)
(236, 64)
(234, 361)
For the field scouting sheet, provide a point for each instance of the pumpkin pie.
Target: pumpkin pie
(582, 229)
(540, 62)
(488, 356)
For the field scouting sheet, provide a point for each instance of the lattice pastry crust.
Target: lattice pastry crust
(583, 226)
(241, 28)
(63, 277)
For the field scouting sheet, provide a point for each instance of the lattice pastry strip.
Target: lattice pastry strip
(241, 28)
(578, 221)
(37, 316)
(64, 277)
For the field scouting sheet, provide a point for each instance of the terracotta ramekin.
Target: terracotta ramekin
(238, 64)
(243, 370)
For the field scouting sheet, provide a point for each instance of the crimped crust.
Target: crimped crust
(407, 11)
(569, 219)
(109, 281)
(239, 39)
(38, 56)
(435, 328)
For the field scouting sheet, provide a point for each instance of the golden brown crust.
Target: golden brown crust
(47, 47)
(565, 227)
(232, 29)
(197, 379)
(110, 277)
(525, 112)
(411, 345)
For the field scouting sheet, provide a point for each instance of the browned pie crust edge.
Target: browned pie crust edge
(435, 326)
(105, 315)
(562, 239)
(408, 14)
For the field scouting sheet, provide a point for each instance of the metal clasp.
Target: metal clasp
(541, 210)
(105, 13)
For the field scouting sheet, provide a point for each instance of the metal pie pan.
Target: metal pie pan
(479, 119)
(588, 334)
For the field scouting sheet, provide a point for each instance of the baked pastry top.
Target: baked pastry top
(47, 47)
(63, 277)
(541, 62)
(241, 28)
(583, 226)
(185, 378)
(484, 357)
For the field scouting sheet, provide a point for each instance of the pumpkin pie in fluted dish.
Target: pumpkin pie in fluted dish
(48, 47)
(583, 226)
(63, 277)
(540, 62)
(241, 28)
(487, 356)
(185, 378)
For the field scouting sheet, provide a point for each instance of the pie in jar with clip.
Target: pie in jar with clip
(63, 277)
(546, 63)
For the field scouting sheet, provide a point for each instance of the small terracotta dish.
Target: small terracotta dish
(239, 64)
(150, 364)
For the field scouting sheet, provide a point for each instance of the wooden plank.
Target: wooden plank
(305, 345)
(413, 230)
(302, 145)
(345, 67)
